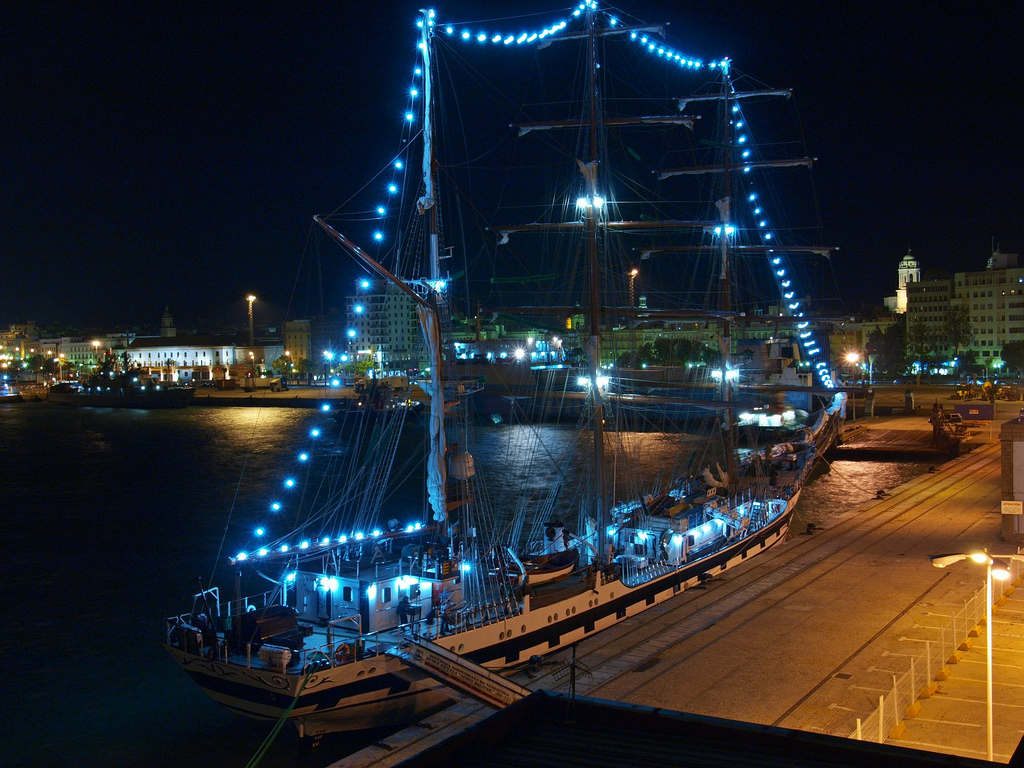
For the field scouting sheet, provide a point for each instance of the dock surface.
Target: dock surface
(864, 442)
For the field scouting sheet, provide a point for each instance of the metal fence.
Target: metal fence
(929, 666)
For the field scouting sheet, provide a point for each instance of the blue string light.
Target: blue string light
(784, 283)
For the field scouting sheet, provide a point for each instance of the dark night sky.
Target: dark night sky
(173, 155)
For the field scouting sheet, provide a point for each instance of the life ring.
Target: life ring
(343, 653)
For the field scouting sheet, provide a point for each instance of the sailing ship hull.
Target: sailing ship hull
(358, 696)
(383, 690)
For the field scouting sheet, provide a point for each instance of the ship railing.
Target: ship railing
(346, 626)
(345, 644)
(251, 603)
(635, 575)
(202, 615)
(344, 650)
(477, 616)
(929, 662)
(200, 600)
(332, 653)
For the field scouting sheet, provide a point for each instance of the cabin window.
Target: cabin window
(386, 595)
(346, 594)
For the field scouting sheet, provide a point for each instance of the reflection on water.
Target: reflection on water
(847, 484)
(518, 461)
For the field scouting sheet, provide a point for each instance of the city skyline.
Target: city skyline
(175, 158)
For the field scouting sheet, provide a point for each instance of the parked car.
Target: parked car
(1007, 393)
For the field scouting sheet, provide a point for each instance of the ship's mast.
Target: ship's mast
(593, 210)
(430, 319)
(725, 289)
(427, 204)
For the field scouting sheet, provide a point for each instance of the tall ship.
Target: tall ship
(327, 625)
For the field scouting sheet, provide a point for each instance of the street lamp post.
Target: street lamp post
(983, 558)
(632, 304)
(852, 358)
(328, 357)
(252, 331)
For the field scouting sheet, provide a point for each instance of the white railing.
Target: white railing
(926, 665)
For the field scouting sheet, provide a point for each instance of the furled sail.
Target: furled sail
(436, 472)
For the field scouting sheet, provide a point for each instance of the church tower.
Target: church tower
(167, 329)
(909, 272)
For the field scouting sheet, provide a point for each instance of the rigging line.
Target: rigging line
(298, 272)
(815, 200)
(234, 499)
(386, 167)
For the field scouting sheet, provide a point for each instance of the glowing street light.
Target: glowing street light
(328, 359)
(252, 336)
(852, 358)
(983, 558)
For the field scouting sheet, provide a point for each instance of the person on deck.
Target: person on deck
(404, 610)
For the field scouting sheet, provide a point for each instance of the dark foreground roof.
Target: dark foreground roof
(546, 730)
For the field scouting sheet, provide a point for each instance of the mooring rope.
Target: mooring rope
(267, 742)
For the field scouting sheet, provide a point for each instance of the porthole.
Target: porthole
(523, 629)
(501, 635)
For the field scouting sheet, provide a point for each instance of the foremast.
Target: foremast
(429, 299)
(429, 316)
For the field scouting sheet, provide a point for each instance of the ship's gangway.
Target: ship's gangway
(460, 673)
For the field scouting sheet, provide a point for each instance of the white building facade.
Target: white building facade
(382, 326)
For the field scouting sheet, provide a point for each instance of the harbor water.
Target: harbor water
(113, 516)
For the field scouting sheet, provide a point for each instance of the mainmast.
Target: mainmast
(725, 288)
(593, 210)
